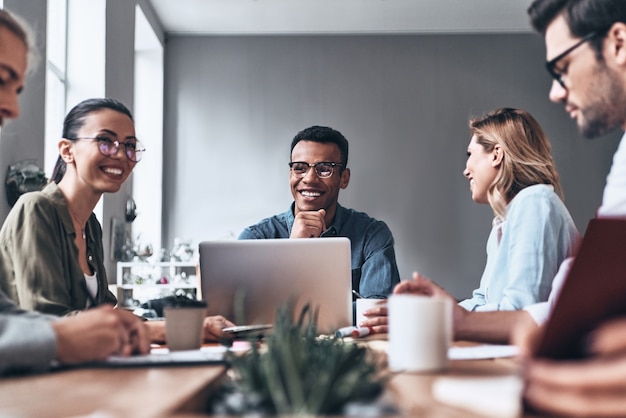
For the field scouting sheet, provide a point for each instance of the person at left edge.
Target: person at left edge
(318, 171)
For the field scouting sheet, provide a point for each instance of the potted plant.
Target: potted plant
(297, 372)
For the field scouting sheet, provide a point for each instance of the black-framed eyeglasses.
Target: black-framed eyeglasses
(323, 169)
(551, 65)
(109, 145)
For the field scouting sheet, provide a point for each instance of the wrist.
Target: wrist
(461, 323)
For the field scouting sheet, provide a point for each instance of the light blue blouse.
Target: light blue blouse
(524, 251)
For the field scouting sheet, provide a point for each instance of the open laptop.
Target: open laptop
(594, 290)
(260, 275)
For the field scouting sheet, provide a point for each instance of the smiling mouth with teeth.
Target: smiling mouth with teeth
(310, 194)
(114, 171)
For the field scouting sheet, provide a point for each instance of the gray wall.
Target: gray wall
(234, 103)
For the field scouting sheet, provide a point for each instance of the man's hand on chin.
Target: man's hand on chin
(309, 224)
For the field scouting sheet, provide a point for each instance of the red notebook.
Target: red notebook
(594, 290)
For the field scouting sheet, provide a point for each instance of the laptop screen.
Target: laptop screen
(247, 280)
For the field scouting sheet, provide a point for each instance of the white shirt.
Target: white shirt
(613, 205)
(92, 287)
(614, 197)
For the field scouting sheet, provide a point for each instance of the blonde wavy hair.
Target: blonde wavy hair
(527, 154)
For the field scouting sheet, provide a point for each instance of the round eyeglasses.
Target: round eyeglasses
(323, 169)
(109, 145)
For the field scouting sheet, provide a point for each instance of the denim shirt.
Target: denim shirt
(374, 268)
(524, 251)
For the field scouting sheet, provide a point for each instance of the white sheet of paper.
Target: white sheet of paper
(162, 355)
(484, 351)
(497, 396)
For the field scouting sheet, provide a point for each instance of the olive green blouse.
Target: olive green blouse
(39, 266)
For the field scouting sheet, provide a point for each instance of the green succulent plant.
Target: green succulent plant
(299, 373)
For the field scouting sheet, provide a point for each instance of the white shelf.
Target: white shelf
(157, 264)
(138, 281)
(159, 286)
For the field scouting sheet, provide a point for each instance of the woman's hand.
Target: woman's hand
(419, 285)
(98, 333)
(213, 326)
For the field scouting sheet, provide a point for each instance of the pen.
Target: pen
(357, 294)
(345, 332)
(354, 332)
(361, 332)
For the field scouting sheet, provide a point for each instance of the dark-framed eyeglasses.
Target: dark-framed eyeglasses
(556, 73)
(108, 145)
(323, 169)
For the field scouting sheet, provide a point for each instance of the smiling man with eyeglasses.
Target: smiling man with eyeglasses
(318, 171)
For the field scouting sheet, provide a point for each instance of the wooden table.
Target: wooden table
(132, 392)
(412, 394)
(183, 391)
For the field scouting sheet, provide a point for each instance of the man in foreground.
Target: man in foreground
(586, 53)
(30, 341)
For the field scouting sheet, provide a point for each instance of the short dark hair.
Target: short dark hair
(75, 120)
(324, 134)
(582, 16)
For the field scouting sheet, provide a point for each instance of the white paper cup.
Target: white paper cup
(420, 333)
(183, 327)
(362, 305)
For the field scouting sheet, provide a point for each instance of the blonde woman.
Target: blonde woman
(510, 167)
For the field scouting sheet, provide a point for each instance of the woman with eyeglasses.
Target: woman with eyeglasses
(51, 243)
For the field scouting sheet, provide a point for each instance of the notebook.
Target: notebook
(594, 290)
(260, 275)
(159, 357)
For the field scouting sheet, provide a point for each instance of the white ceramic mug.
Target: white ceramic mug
(420, 332)
(183, 327)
